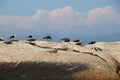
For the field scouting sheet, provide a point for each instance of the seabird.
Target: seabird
(47, 37)
(76, 40)
(65, 39)
(30, 38)
(12, 36)
(1, 39)
(92, 42)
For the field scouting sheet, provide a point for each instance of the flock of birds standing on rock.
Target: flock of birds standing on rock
(30, 38)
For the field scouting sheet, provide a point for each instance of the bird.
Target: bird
(30, 38)
(1, 39)
(47, 37)
(65, 39)
(92, 42)
(76, 40)
(12, 36)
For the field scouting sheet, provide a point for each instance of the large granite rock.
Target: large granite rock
(41, 60)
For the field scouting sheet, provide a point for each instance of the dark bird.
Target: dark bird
(12, 36)
(47, 37)
(65, 39)
(30, 36)
(1, 39)
(92, 42)
(76, 40)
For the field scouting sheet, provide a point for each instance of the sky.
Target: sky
(76, 19)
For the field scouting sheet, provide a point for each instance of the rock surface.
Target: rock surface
(41, 60)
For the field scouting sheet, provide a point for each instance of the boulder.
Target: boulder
(59, 61)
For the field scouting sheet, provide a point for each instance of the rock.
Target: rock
(37, 61)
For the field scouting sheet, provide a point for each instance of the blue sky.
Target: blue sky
(28, 7)
(83, 19)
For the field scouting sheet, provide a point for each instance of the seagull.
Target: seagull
(12, 36)
(30, 38)
(65, 39)
(47, 37)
